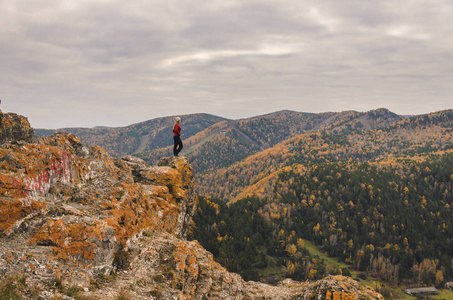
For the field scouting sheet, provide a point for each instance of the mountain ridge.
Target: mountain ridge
(129, 139)
(265, 131)
(316, 143)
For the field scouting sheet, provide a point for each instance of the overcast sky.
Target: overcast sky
(88, 63)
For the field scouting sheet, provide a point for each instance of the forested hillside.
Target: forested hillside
(378, 200)
(391, 219)
(143, 136)
(255, 174)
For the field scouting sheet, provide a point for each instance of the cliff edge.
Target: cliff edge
(76, 223)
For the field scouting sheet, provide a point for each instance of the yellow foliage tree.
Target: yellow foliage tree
(291, 249)
(300, 243)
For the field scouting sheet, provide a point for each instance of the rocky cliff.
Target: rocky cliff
(77, 224)
(14, 128)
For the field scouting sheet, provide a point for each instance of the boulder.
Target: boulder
(14, 128)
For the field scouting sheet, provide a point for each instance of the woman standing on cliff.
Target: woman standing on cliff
(177, 137)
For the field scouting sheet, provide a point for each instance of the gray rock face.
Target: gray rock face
(14, 128)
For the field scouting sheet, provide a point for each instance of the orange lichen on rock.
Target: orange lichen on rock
(11, 186)
(73, 239)
(343, 296)
(190, 270)
(14, 127)
(344, 289)
(29, 170)
(13, 211)
(81, 205)
(133, 209)
(126, 208)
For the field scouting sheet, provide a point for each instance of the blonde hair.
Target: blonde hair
(177, 120)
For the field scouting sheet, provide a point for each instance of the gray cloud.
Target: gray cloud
(99, 62)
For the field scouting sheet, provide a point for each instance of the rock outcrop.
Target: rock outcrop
(161, 266)
(76, 222)
(14, 128)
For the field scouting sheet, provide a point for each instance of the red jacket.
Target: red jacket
(177, 130)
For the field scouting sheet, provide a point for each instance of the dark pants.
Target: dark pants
(178, 145)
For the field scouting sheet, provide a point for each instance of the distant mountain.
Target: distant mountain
(341, 138)
(230, 141)
(143, 136)
(101, 127)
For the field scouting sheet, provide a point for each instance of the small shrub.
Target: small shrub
(121, 260)
(346, 272)
(169, 274)
(168, 266)
(101, 280)
(148, 233)
(12, 287)
(156, 293)
(124, 295)
(72, 291)
(159, 278)
(58, 283)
